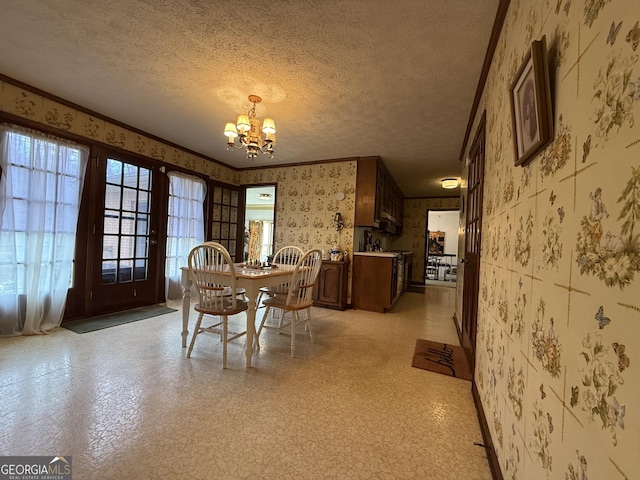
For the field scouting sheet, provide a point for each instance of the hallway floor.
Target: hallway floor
(126, 403)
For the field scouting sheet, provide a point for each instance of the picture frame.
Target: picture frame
(531, 108)
(436, 243)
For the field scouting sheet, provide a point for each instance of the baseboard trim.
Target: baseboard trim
(455, 322)
(486, 436)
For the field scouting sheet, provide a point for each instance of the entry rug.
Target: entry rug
(119, 318)
(441, 358)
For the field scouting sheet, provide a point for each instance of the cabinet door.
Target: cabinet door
(330, 284)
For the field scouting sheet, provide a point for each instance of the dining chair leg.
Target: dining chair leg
(195, 334)
(294, 321)
(224, 341)
(308, 324)
(264, 318)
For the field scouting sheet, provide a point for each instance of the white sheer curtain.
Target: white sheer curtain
(185, 226)
(40, 190)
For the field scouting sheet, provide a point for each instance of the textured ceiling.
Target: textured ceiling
(341, 78)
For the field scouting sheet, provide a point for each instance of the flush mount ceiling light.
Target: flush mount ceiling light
(265, 196)
(250, 135)
(450, 183)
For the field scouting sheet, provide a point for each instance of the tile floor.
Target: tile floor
(126, 403)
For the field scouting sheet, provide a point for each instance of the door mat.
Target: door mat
(92, 324)
(441, 358)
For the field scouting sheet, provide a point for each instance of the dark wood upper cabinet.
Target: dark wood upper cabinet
(379, 201)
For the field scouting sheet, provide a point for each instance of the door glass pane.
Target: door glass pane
(141, 247)
(125, 271)
(143, 201)
(217, 213)
(112, 197)
(145, 179)
(110, 247)
(108, 272)
(140, 272)
(126, 246)
(111, 222)
(130, 175)
(126, 222)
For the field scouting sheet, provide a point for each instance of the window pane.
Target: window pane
(108, 272)
(217, 213)
(114, 171)
(128, 225)
(112, 197)
(144, 200)
(140, 272)
(111, 222)
(125, 271)
(126, 246)
(145, 179)
(142, 225)
(215, 231)
(141, 247)
(129, 199)
(130, 175)
(110, 247)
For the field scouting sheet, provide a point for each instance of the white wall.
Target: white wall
(447, 222)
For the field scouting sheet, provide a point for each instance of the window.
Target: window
(40, 190)
(185, 226)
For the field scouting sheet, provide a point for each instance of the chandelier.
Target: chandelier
(250, 136)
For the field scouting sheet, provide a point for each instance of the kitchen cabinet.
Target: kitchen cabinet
(379, 201)
(330, 290)
(375, 281)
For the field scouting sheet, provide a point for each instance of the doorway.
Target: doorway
(441, 248)
(259, 222)
(126, 210)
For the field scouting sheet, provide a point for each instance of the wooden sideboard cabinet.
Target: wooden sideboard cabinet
(330, 290)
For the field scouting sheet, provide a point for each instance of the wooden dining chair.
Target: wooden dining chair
(288, 255)
(299, 297)
(207, 262)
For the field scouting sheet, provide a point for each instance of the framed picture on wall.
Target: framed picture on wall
(436, 243)
(531, 109)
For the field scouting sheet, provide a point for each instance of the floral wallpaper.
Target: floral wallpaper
(31, 106)
(307, 199)
(558, 346)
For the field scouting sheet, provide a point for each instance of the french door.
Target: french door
(126, 269)
(226, 217)
(473, 239)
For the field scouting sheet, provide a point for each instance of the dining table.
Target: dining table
(249, 277)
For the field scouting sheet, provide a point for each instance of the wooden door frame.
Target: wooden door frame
(470, 294)
(95, 216)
